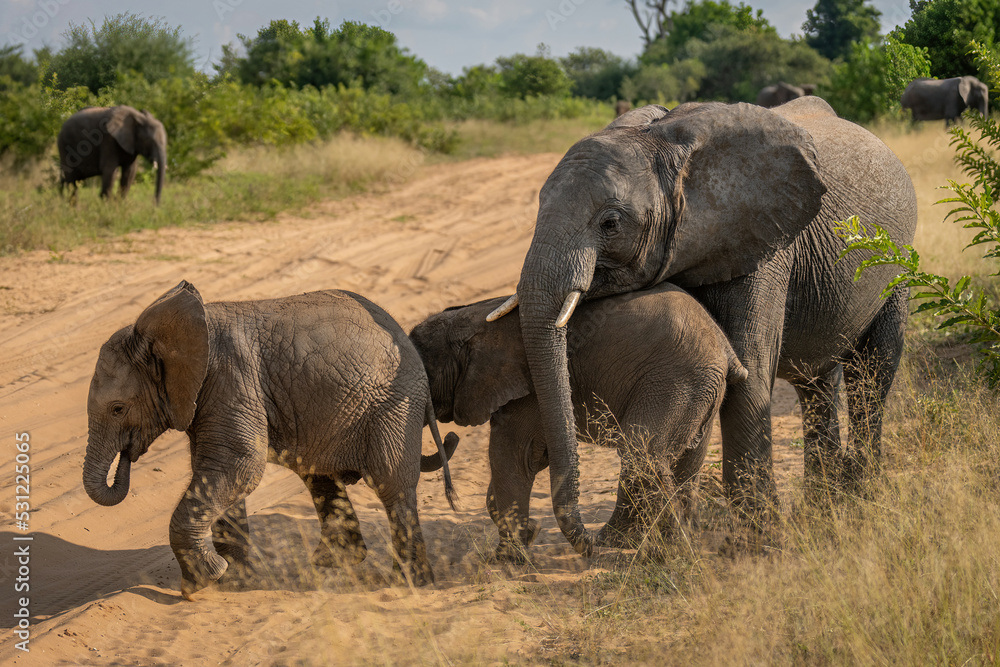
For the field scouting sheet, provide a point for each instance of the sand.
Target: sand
(104, 585)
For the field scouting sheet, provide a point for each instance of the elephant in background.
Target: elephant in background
(325, 384)
(736, 204)
(779, 93)
(98, 140)
(936, 99)
(652, 364)
(621, 107)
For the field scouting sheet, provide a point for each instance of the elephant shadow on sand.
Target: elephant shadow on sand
(63, 575)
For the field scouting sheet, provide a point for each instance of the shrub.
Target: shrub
(532, 76)
(318, 56)
(127, 42)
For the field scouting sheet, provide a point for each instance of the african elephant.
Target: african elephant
(652, 363)
(325, 384)
(621, 106)
(778, 93)
(98, 140)
(934, 99)
(735, 203)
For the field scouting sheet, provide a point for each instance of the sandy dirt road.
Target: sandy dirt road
(104, 583)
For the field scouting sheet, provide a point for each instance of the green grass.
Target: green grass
(254, 183)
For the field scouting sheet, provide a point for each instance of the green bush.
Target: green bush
(354, 53)
(127, 42)
(869, 84)
(525, 76)
(30, 118)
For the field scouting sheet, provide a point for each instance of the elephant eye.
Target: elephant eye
(610, 225)
(117, 410)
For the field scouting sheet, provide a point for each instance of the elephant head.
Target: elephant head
(474, 367)
(701, 194)
(138, 133)
(147, 379)
(975, 94)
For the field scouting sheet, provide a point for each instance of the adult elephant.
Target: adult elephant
(778, 93)
(735, 203)
(936, 99)
(98, 140)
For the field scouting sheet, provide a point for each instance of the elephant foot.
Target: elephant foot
(515, 551)
(204, 570)
(329, 556)
(618, 538)
(418, 574)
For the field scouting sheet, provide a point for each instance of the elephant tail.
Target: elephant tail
(445, 451)
(736, 373)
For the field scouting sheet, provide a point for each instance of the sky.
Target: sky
(447, 34)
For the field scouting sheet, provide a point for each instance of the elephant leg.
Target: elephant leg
(818, 398)
(751, 311)
(868, 376)
(508, 507)
(231, 535)
(408, 545)
(107, 180)
(512, 476)
(127, 177)
(213, 490)
(638, 497)
(340, 530)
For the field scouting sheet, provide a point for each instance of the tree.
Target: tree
(872, 79)
(523, 76)
(318, 56)
(15, 68)
(739, 63)
(677, 82)
(698, 20)
(832, 26)
(596, 73)
(945, 28)
(127, 42)
(652, 17)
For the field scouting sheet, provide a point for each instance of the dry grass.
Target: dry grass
(251, 184)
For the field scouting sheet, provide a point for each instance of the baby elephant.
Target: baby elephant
(326, 384)
(648, 371)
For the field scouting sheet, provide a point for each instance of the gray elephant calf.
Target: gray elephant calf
(653, 363)
(325, 384)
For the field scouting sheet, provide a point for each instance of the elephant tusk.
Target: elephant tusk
(569, 305)
(507, 306)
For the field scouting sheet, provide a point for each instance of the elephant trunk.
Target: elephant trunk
(161, 169)
(542, 298)
(95, 475)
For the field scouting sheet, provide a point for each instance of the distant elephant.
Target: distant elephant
(97, 140)
(653, 364)
(621, 107)
(325, 384)
(808, 88)
(778, 93)
(736, 204)
(936, 99)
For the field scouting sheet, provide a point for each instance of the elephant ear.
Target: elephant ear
(494, 370)
(121, 126)
(747, 184)
(638, 117)
(175, 328)
(964, 89)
